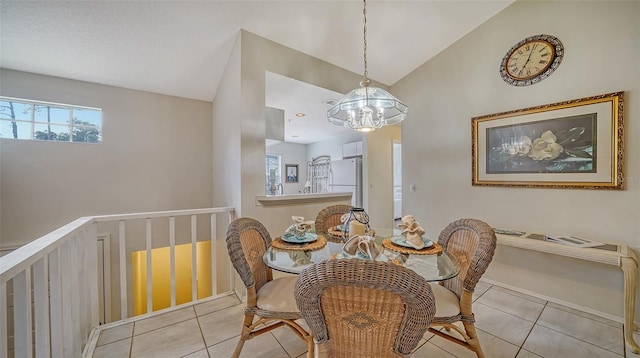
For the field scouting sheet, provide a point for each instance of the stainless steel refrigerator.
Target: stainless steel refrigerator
(346, 176)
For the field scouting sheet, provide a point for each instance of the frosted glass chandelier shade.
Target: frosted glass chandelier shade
(366, 109)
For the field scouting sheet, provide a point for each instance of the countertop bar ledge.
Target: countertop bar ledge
(300, 198)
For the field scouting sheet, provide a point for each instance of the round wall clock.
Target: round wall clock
(531, 60)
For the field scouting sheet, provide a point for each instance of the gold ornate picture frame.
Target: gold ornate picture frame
(574, 144)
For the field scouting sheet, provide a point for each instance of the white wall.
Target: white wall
(155, 155)
(291, 153)
(602, 56)
(332, 147)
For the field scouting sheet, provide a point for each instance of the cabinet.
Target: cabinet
(352, 149)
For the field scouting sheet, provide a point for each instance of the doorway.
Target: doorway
(397, 180)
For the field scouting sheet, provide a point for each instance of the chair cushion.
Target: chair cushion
(277, 295)
(447, 303)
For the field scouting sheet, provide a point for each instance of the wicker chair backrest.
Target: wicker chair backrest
(472, 242)
(360, 308)
(247, 241)
(330, 216)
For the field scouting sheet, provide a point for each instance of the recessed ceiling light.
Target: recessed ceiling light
(300, 114)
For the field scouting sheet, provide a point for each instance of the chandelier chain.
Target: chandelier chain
(364, 14)
(367, 108)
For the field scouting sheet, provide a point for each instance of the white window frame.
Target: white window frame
(32, 120)
(278, 171)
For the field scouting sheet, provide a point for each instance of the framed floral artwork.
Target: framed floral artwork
(573, 144)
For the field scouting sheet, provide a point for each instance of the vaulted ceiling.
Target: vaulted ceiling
(181, 48)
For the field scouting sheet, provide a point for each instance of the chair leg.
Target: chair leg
(473, 341)
(310, 347)
(236, 352)
(304, 335)
(244, 335)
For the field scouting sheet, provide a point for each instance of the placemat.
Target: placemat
(338, 234)
(435, 249)
(308, 246)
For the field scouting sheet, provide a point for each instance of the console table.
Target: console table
(617, 255)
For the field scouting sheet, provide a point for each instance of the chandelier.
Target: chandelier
(367, 108)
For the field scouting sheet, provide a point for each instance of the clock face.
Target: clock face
(531, 60)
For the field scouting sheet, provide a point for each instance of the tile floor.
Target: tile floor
(510, 324)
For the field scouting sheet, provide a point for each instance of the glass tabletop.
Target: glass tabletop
(436, 267)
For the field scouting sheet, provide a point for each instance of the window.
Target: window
(24, 119)
(272, 164)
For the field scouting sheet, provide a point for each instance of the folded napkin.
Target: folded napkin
(362, 246)
(412, 231)
(299, 227)
(300, 258)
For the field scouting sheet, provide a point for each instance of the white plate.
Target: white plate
(291, 238)
(402, 241)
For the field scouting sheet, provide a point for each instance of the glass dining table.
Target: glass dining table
(433, 267)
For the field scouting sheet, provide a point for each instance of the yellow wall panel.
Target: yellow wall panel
(161, 276)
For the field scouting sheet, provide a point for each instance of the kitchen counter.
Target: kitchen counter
(300, 198)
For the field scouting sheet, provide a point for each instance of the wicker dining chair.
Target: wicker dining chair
(472, 242)
(330, 216)
(271, 301)
(361, 308)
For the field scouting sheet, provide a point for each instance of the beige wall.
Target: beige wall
(602, 56)
(155, 155)
(378, 183)
(254, 55)
(228, 111)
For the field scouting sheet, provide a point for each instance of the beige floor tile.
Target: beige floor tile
(481, 288)
(552, 344)
(515, 305)
(176, 340)
(222, 325)
(519, 294)
(500, 324)
(163, 320)
(116, 349)
(526, 354)
(492, 346)
(115, 334)
(502, 321)
(290, 341)
(199, 354)
(429, 350)
(582, 328)
(216, 305)
(585, 314)
(262, 346)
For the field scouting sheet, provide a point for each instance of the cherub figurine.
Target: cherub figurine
(412, 231)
